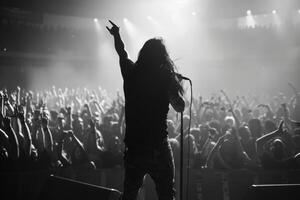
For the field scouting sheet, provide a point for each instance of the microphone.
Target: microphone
(179, 76)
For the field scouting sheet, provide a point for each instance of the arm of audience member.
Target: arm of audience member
(213, 153)
(198, 111)
(93, 145)
(79, 145)
(119, 45)
(61, 157)
(69, 118)
(77, 101)
(270, 113)
(296, 94)
(231, 109)
(15, 126)
(54, 91)
(48, 140)
(237, 120)
(34, 131)
(13, 151)
(261, 142)
(26, 134)
(4, 140)
(121, 119)
(286, 116)
(40, 142)
(99, 107)
(9, 109)
(235, 103)
(88, 110)
(29, 102)
(240, 147)
(17, 130)
(204, 148)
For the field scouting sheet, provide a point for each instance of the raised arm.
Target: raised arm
(69, 118)
(13, 151)
(214, 152)
(238, 123)
(119, 45)
(60, 146)
(48, 141)
(260, 142)
(25, 132)
(94, 146)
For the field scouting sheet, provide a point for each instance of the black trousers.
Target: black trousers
(159, 164)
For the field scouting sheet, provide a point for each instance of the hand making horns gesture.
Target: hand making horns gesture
(114, 29)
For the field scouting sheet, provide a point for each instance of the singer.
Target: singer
(150, 84)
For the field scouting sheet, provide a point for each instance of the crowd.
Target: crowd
(83, 129)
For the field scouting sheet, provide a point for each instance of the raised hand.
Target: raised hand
(280, 127)
(20, 113)
(221, 139)
(114, 29)
(44, 121)
(69, 109)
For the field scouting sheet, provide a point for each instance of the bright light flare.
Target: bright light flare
(276, 18)
(249, 12)
(97, 25)
(250, 21)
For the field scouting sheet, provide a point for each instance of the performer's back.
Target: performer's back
(147, 105)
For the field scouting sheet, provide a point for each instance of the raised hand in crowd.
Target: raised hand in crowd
(13, 151)
(25, 135)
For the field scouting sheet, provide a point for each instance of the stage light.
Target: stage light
(149, 17)
(274, 12)
(125, 20)
(194, 13)
(250, 19)
(97, 25)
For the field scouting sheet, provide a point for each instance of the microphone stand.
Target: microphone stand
(181, 145)
(181, 156)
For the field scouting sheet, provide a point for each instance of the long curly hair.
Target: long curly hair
(154, 54)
